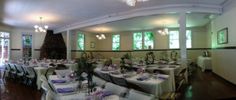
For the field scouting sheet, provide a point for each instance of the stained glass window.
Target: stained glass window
(148, 40)
(137, 41)
(116, 42)
(27, 46)
(174, 39)
(80, 41)
(143, 40)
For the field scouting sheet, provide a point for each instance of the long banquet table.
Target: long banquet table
(77, 95)
(154, 86)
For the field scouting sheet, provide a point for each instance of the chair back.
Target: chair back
(19, 69)
(31, 72)
(50, 71)
(7, 67)
(13, 68)
(138, 95)
(50, 95)
(45, 86)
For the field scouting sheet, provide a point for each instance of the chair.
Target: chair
(50, 95)
(50, 71)
(116, 89)
(180, 79)
(6, 71)
(137, 95)
(20, 73)
(119, 81)
(13, 72)
(31, 76)
(98, 81)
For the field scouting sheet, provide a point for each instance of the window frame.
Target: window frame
(77, 42)
(178, 39)
(143, 40)
(115, 42)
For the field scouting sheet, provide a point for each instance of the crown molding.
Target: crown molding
(165, 9)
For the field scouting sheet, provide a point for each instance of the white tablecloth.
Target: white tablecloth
(204, 62)
(169, 71)
(78, 95)
(154, 86)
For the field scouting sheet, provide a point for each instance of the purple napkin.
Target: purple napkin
(162, 77)
(58, 81)
(142, 78)
(106, 93)
(65, 90)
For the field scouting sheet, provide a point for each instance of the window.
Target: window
(148, 40)
(27, 45)
(143, 40)
(116, 42)
(174, 39)
(4, 47)
(80, 41)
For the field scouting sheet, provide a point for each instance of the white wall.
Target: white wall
(16, 41)
(223, 60)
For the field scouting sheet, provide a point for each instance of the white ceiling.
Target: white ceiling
(149, 22)
(59, 13)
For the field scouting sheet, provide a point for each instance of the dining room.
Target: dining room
(117, 50)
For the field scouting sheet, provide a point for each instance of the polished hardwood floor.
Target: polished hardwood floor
(208, 86)
(202, 86)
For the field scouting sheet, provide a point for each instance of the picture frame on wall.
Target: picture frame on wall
(92, 45)
(222, 36)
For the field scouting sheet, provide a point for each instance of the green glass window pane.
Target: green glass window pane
(80, 41)
(115, 42)
(137, 41)
(116, 46)
(115, 38)
(148, 40)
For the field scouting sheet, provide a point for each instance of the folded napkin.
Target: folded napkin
(162, 77)
(58, 81)
(65, 90)
(143, 78)
(106, 93)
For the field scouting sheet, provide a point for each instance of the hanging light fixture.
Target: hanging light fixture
(164, 30)
(40, 27)
(133, 2)
(100, 36)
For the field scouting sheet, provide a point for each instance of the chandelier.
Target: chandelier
(40, 27)
(163, 31)
(133, 2)
(100, 36)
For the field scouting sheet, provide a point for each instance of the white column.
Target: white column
(68, 44)
(182, 37)
(182, 42)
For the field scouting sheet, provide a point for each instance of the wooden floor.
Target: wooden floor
(203, 86)
(208, 86)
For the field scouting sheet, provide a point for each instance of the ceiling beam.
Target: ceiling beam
(165, 9)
